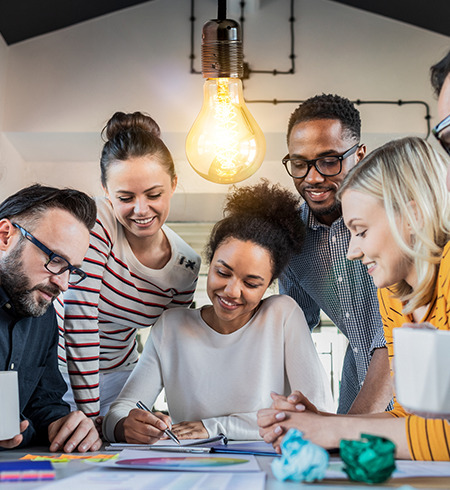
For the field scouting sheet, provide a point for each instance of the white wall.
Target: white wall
(12, 165)
(62, 87)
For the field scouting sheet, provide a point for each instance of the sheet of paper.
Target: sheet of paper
(216, 463)
(404, 469)
(109, 479)
(168, 443)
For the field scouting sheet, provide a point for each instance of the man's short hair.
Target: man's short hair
(30, 203)
(439, 72)
(328, 106)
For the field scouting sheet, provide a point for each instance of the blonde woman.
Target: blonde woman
(396, 205)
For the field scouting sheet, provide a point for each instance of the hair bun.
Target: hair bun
(122, 122)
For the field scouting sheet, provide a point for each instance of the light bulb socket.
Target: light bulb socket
(222, 51)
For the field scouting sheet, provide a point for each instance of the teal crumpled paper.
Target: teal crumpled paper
(370, 459)
(300, 460)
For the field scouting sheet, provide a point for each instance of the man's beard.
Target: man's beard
(15, 282)
(327, 211)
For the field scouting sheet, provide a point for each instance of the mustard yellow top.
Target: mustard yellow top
(428, 439)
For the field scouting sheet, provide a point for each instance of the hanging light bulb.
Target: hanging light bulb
(225, 144)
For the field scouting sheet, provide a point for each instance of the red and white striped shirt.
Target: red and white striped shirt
(98, 318)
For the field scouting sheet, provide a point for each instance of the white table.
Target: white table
(64, 470)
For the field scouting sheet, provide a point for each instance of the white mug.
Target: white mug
(421, 369)
(9, 405)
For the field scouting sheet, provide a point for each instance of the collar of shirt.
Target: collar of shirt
(5, 303)
(314, 223)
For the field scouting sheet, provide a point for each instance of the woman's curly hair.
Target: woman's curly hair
(265, 214)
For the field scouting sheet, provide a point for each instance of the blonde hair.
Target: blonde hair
(408, 177)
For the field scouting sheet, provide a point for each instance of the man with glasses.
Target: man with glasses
(440, 80)
(324, 144)
(44, 234)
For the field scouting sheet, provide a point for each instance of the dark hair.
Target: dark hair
(265, 214)
(133, 135)
(30, 203)
(328, 106)
(439, 72)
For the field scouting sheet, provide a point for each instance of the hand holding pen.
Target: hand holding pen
(167, 431)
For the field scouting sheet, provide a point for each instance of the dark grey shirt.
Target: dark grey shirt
(29, 346)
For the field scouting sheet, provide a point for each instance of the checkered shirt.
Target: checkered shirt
(321, 277)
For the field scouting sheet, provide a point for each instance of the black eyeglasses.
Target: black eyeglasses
(444, 140)
(326, 166)
(55, 264)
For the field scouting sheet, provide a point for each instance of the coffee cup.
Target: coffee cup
(9, 405)
(421, 369)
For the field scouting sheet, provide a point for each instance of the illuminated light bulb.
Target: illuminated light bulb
(225, 144)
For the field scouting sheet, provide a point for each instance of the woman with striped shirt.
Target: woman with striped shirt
(397, 208)
(136, 266)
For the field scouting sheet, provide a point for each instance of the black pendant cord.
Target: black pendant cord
(222, 10)
(221, 15)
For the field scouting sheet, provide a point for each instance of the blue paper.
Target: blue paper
(301, 460)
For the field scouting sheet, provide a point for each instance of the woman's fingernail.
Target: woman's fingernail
(278, 429)
(300, 407)
(280, 415)
(292, 398)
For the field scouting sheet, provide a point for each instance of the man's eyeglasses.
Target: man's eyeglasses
(55, 263)
(438, 130)
(326, 166)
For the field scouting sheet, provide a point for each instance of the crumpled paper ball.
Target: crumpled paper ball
(300, 460)
(370, 459)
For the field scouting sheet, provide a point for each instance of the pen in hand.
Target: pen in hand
(168, 432)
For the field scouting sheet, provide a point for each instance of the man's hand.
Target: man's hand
(74, 431)
(16, 440)
(190, 430)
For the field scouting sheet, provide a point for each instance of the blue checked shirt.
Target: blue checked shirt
(321, 277)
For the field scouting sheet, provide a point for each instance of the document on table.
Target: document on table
(109, 479)
(173, 446)
(404, 469)
(258, 448)
(154, 460)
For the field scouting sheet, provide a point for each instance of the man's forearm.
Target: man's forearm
(377, 390)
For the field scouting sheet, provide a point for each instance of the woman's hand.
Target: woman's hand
(142, 427)
(98, 422)
(320, 429)
(294, 411)
(190, 430)
(296, 402)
